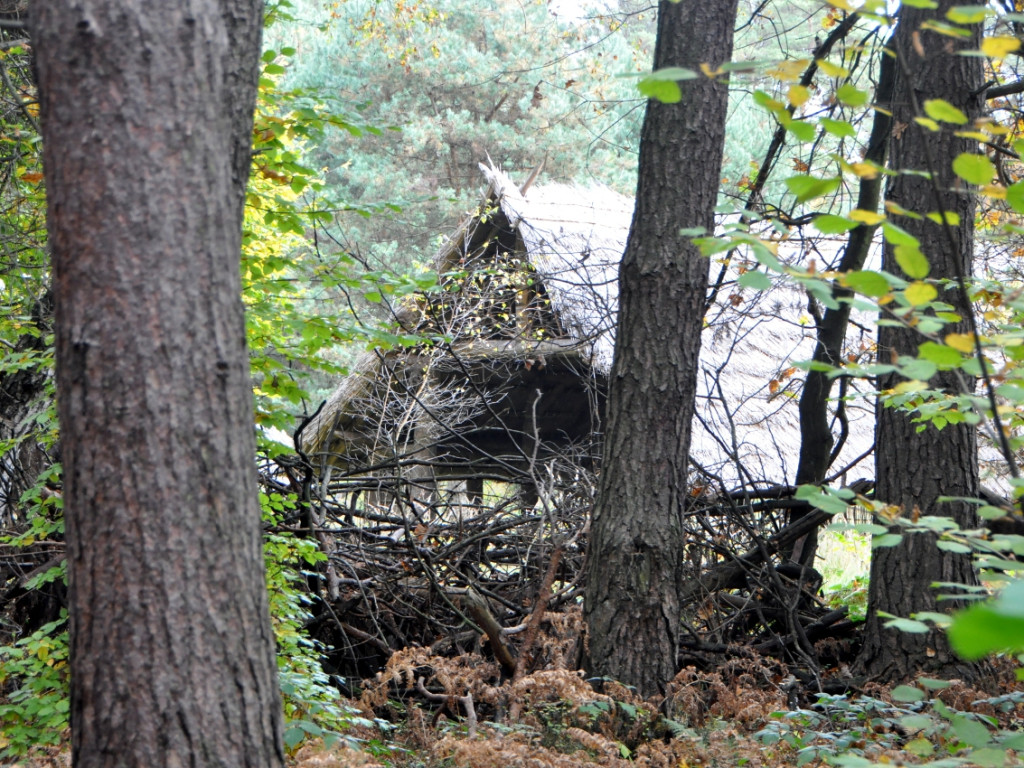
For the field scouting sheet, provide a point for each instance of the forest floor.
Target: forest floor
(456, 705)
(746, 713)
(743, 714)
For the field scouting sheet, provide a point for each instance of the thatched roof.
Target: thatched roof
(572, 237)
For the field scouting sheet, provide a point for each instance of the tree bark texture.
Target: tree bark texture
(147, 121)
(636, 568)
(914, 468)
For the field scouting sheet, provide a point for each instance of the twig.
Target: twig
(466, 702)
(476, 607)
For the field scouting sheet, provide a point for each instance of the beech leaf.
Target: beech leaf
(974, 168)
(942, 110)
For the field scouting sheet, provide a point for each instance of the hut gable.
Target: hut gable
(573, 237)
(528, 305)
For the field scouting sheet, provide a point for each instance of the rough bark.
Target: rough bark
(147, 120)
(914, 468)
(636, 568)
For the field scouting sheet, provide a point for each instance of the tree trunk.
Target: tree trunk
(914, 468)
(636, 568)
(147, 120)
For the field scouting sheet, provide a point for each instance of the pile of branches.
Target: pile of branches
(450, 573)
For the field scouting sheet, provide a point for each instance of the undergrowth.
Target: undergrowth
(463, 712)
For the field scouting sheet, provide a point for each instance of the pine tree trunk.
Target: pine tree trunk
(147, 120)
(914, 468)
(636, 569)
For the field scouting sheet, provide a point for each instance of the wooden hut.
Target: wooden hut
(511, 383)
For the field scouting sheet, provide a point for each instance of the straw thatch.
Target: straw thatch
(527, 314)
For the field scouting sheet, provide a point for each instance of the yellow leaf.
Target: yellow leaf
(708, 71)
(927, 122)
(865, 217)
(843, 5)
(976, 135)
(863, 170)
(798, 95)
(953, 219)
(913, 385)
(998, 47)
(895, 209)
(832, 70)
(789, 70)
(994, 191)
(961, 342)
(919, 293)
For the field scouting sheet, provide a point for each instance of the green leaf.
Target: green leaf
(867, 282)
(886, 540)
(1011, 392)
(851, 95)
(932, 684)
(913, 263)
(755, 279)
(945, 357)
(1015, 196)
(988, 512)
(673, 73)
(293, 736)
(840, 128)
(822, 498)
(939, 109)
(907, 693)
(803, 130)
(809, 187)
(967, 14)
(914, 627)
(898, 236)
(952, 546)
(951, 218)
(916, 722)
(774, 106)
(970, 731)
(920, 747)
(663, 84)
(974, 168)
(991, 627)
(921, 370)
(665, 91)
(828, 224)
(852, 761)
(989, 757)
(927, 4)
